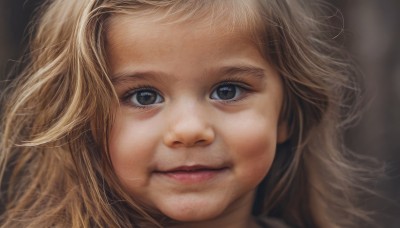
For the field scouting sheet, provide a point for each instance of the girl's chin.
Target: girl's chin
(192, 212)
(191, 216)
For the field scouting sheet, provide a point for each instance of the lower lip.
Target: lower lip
(192, 177)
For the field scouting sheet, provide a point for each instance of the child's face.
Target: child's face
(197, 126)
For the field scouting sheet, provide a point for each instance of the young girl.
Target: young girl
(172, 113)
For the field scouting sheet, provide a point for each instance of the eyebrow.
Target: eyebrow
(135, 76)
(242, 70)
(237, 70)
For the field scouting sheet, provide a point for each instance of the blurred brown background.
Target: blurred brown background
(372, 29)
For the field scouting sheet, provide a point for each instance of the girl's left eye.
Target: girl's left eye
(227, 92)
(144, 97)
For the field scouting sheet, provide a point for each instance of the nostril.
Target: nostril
(177, 143)
(201, 142)
(187, 140)
(189, 144)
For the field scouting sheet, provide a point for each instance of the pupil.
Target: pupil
(146, 97)
(226, 92)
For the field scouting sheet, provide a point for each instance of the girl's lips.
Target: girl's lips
(192, 174)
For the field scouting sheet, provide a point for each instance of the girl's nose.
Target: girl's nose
(189, 128)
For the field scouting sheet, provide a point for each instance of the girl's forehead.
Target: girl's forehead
(225, 16)
(142, 23)
(127, 31)
(233, 25)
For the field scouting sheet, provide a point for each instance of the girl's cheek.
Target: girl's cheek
(132, 146)
(252, 142)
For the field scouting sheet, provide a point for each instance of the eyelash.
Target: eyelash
(244, 87)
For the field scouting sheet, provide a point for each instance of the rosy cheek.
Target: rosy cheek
(257, 156)
(130, 150)
(253, 142)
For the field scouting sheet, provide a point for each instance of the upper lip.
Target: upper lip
(191, 168)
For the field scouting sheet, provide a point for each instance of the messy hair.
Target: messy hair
(55, 169)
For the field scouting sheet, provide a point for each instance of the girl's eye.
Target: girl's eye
(227, 92)
(145, 97)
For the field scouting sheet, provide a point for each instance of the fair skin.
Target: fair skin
(198, 121)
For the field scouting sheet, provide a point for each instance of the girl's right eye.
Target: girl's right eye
(144, 97)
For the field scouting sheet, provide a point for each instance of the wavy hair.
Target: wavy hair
(55, 169)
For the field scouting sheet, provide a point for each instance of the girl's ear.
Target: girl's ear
(283, 132)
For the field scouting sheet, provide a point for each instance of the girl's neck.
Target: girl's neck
(237, 217)
(232, 223)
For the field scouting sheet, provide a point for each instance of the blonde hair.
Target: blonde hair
(54, 164)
